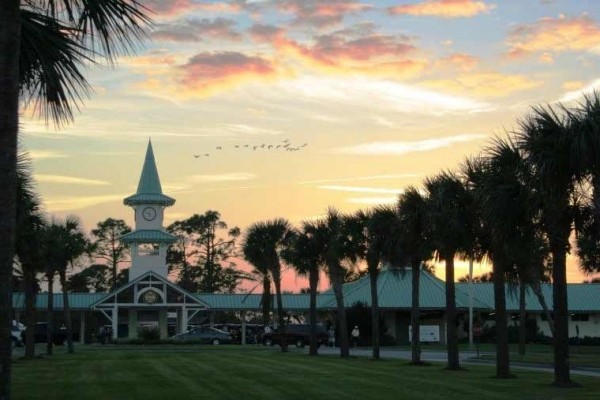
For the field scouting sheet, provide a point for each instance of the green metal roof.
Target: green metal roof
(149, 189)
(77, 301)
(582, 297)
(394, 288)
(240, 301)
(148, 236)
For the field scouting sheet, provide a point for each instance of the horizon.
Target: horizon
(374, 95)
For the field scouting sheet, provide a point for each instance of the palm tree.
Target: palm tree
(44, 45)
(29, 247)
(451, 235)
(414, 244)
(334, 237)
(261, 275)
(69, 243)
(546, 138)
(507, 207)
(265, 241)
(306, 256)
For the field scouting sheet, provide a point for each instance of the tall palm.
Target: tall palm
(451, 235)
(546, 137)
(44, 46)
(29, 247)
(306, 256)
(265, 241)
(335, 242)
(68, 244)
(507, 206)
(415, 249)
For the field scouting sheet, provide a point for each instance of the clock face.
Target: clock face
(150, 297)
(149, 213)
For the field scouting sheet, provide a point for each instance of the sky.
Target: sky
(281, 108)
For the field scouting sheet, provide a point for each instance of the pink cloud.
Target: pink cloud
(194, 30)
(175, 8)
(321, 13)
(554, 35)
(444, 8)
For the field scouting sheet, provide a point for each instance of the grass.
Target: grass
(232, 372)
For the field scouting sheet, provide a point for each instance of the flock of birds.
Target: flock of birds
(284, 145)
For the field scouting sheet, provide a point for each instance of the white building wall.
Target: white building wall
(589, 328)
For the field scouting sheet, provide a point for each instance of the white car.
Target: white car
(16, 329)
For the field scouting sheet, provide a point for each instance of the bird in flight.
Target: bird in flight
(219, 148)
(196, 155)
(304, 145)
(237, 146)
(246, 145)
(206, 155)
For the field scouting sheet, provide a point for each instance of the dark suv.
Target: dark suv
(298, 334)
(59, 336)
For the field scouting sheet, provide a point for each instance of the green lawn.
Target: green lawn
(204, 372)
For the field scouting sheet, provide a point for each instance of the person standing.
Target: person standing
(331, 337)
(355, 336)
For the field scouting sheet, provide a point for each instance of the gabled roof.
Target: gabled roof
(146, 276)
(148, 236)
(149, 190)
(77, 301)
(394, 288)
(583, 297)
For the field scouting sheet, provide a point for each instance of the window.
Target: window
(148, 249)
(580, 317)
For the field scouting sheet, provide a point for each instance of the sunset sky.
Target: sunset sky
(383, 94)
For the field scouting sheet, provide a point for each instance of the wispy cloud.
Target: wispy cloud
(77, 203)
(404, 147)
(379, 95)
(195, 180)
(579, 93)
(360, 178)
(373, 200)
(250, 130)
(69, 180)
(360, 189)
(44, 154)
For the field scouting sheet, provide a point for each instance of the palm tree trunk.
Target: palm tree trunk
(336, 282)
(414, 314)
(50, 312)
(10, 28)
(374, 312)
(561, 316)
(313, 281)
(67, 310)
(451, 323)
(280, 313)
(266, 300)
(537, 290)
(30, 298)
(502, 360)
(522, 316)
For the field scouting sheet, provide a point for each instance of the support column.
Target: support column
(162, 323)
(115, 323)
(243, 318)
(18, 315)
(212, 318)
(471, 304)
(133, 323)
(82, 328)
(184, 320)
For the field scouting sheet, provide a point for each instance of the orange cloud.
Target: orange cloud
(572, 85)
(321, 13)
(554, 35)
(462, 61)
(444, 8)
(486, 84)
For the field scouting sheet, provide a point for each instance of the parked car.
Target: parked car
(16, 332)
(59, 336)
(298, 334)
(204, 334)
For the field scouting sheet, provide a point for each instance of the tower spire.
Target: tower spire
(149, 189)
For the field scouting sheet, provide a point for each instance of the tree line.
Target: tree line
(516, 204)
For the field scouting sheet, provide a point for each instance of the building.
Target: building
(149, 298)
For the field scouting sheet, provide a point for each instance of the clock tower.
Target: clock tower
(149, 240)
